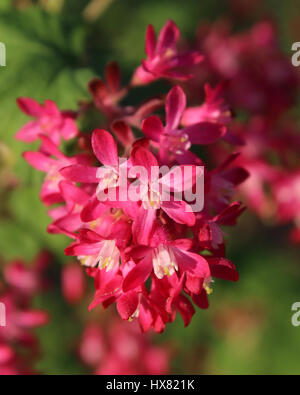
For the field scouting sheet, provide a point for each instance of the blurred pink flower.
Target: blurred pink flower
(122, 350)
(49, 121)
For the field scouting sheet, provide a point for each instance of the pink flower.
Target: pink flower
(105, 150)
(166, 260)
(50, 160)
(67, 218)
(163, 59)
(155, 191)
(210, 236)
(173, 142)
(92, 346)
(49, 121)
(94, 250)
(27, 280)
(214, 109)
(73, 283)
(106, 94)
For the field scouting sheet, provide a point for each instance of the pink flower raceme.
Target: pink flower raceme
(261, 79)
(154, 253)
(270, 157)
(263, 84)
(163, 60)
(49, 122)
(121, 351)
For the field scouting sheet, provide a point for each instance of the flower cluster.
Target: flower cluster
(19, 346)
(154, 255)
(260, 83)
(124, 350)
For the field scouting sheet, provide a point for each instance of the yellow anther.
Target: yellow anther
(94, 224)
(208, 289)
(106, 262)
(169, 52)
(118, 214)
(83, 261)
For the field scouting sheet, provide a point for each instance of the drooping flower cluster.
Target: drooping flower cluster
(19, 346)
(121, 350)
(150, 237)
(259, 82)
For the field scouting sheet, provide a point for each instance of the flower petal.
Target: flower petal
(180, 212)
(138, 275)
(150, 42)
(30, 107)
(142, 157)
(175, 105)
(222, 268)
(93, 210)
(205, 132)
(105, 148)
(123, 132)
(142, 227)
(29, 132)
(69, 129)
(80, 173)
(39, 161)
(153, 128)
(185, 308)
(168, 37)
(127, 305)
(113, 76)
(191, 262)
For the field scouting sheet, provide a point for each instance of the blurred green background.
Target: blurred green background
(53, 49)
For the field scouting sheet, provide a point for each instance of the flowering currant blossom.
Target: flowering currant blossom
(50, 160)
(174, 143)
(163, 60)
(107, 95)
(258, 79)
(154, 253)
(122, 351)
(49, 121)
